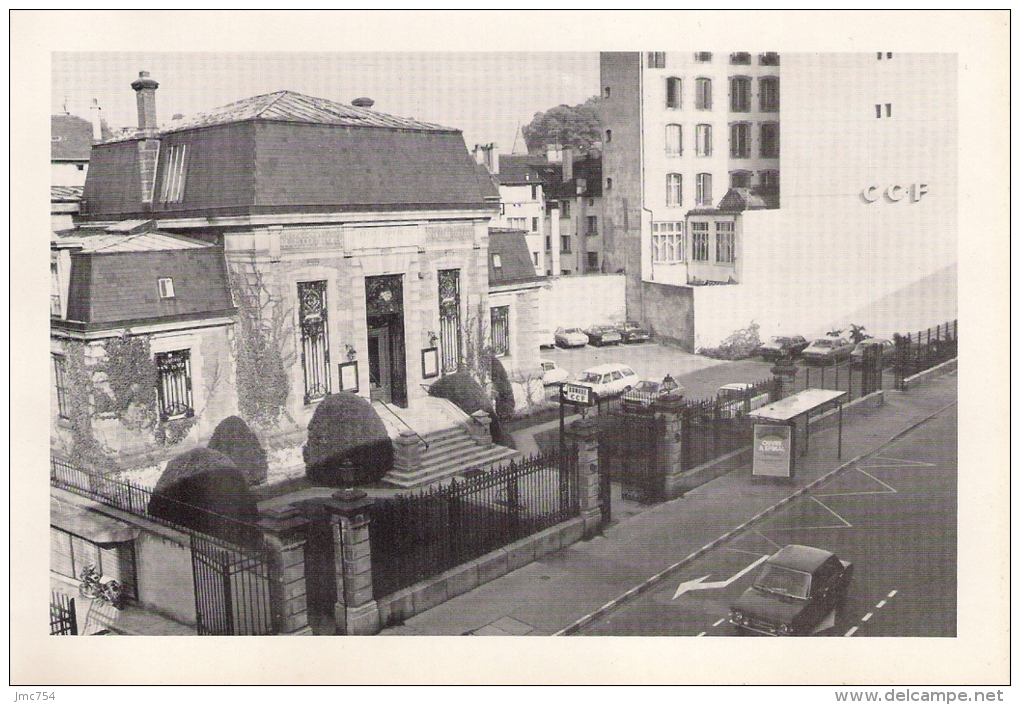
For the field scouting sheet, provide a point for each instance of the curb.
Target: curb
(651, 582)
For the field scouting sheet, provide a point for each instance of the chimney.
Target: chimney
(553, 154)
(568, 163)
(145, 88)
(362, 102)
(96, 115)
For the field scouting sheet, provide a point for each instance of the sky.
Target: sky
(486, 95)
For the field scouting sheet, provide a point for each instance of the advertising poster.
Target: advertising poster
(773, 451)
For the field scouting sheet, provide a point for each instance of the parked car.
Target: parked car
(796, 589)
(647, 391)
(738, 398)
(603, 335)
(546, 339)
(887, 349)
(570, 338)
(828, 350)
(609, 379)
(552, 373)
(631, 332)
(781, 346)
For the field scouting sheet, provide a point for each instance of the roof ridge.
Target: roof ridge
(279, 96)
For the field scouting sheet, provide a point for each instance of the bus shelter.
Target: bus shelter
(775, 430)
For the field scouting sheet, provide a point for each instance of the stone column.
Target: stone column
(584, 433)
(671, 450)
(356, 611)
(786, 372)
(407, 452)
(284, 530)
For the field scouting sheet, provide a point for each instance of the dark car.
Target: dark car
(782, 346)
(828, 350)
(886, 350)
(603, 335)
(796, 589)
(631, 332)
(647, 392)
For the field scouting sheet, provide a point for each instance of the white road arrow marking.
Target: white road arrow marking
(700, 584)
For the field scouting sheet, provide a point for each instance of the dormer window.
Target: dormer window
(173, 176)
(166, 288)
(497, 263)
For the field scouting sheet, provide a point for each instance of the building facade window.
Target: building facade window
(740, 58)
(740, 140)
(703, 94)
(703, 57)
(768, 94)
(60, 380)
(674, 93)
(565, 244)
(609, 136)
(564, 209)
(166, 287)
(674, 190)
(174, 173)
(500, 325)
(668, 242)
(740, 94)
(769, 139)
(768, 180)
(740, 179)
(703, 140)
(534, 192)
(534, 224)
(656, 59)
(593, 261)
(674, 140)
(54, 290)
(768, 58)
(314, 339)
(725, 238)
(703, 189)
(517, 223)
(592, 225)
(609, 184)
(699, 242)
(606, 92)
(173, 371)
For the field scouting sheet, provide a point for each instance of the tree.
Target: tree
(574, 125)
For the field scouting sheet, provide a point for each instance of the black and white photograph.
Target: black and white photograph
(635, 343)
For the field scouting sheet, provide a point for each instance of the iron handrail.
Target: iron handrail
(387, 407)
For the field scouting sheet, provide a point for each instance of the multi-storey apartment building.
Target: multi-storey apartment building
(866, 139)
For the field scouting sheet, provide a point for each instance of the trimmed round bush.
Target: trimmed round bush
(503, 391)
(203, 490)
(462, 389)
(235, 439)
(347, 443)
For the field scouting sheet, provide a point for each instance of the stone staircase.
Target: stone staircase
(456, 442)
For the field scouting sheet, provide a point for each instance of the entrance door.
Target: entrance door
(380, 364)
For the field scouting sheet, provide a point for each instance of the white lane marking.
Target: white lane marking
(880, 605)
(700, 584)
(851, 632)
(891, 594)
(721, 620)
(702, 634)
(898, 462)
(889, 489)
(822, 504)
(866, 617)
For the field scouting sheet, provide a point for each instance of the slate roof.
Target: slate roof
(70, 138)
(287, 153)
(515, 169)
(515, 258)
(587, 168)
(104, 242)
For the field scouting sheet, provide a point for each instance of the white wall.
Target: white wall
(583, 301)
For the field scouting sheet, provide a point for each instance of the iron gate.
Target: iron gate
(63, 618)
(631, 452)
(231, 589)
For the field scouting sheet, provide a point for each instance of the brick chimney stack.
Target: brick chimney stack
(96, 117)
(568, 163)
(145, 88)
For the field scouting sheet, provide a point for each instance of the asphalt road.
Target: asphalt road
(893, 514)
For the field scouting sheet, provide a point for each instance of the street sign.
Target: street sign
(577, 394)
(772, 451)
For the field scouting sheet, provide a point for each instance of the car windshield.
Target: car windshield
(647, 387)
(591, 377)
(783, 581)
(778, 340)
(548, 366)
(824, 343)
(573, 330)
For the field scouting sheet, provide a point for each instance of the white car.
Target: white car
(736, 401)
(552, 374)
(609, 379)
(571, 338)
(546, 339)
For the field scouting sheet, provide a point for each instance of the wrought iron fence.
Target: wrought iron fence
(63, 616)
(417, 536)
(630, 450)
(711, 428)
(230, 569)
(856, 379)
(916, 352)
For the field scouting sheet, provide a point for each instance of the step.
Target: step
(428, 473)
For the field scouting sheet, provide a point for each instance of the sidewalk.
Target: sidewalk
(551, 595)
